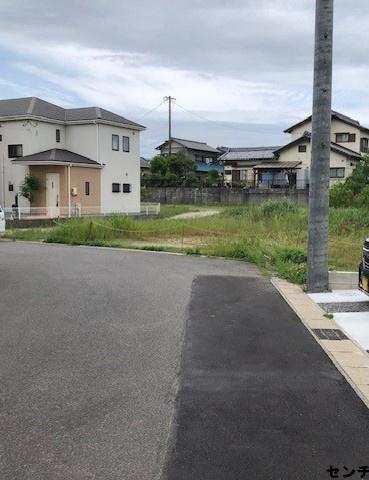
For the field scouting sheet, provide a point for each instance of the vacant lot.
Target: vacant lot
(272, 235)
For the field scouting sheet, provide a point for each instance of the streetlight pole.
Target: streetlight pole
(317, 271)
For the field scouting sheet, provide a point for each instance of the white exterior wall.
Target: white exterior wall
(337, 127)
(82, 139)
(336, 160)
(120, 167)
(35, 136)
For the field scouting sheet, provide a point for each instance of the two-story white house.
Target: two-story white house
(84, 158)
(289, 165)
(349, 141)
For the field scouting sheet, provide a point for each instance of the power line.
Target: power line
(216, 122)
(152, 110)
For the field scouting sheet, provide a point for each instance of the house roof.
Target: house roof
(56, 156)
(334, 146)
(208, 167)
(335, 116)
(33, 107)
(144, 163)
(191, 145)
(277, 165)
(248, 153)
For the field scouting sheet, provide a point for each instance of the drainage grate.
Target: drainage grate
(345, 307)
(329, 334)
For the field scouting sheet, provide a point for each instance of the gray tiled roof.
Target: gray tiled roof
(144, 163)
(277, 165)
(248, 153)
(56, 155)
(36, 107)
(335, 115)
(191, 145)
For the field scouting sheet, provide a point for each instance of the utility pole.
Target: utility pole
(169, 99)
(317, 271)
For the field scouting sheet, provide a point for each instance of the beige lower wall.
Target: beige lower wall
(78, 177)
(40, 172)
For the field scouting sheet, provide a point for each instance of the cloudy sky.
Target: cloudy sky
(241, 71)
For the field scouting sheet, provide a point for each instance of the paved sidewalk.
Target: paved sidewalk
(259, 398)
(350, 309)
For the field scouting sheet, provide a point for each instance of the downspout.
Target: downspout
(3, 179)
(97, 143)
(69, 167)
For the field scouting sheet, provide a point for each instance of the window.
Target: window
(302, 148)
(337, 172)
(125, 141)
(15, 151)
(345, 137)
(115, 142)
(364, 145)
(87, 188)
(1, 138)
(115, 187)
(11, 187)
(227, 172)
(127, 188)
(57, 134)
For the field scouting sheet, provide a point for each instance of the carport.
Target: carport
(276, 174)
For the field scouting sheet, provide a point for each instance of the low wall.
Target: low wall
(220, 195)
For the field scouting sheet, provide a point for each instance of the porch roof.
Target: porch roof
(277, 166)
(56, 156)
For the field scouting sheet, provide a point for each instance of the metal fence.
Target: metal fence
(36, 213)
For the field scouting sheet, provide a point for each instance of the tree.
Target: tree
(172, 171)
(29, 186)
(354, 191)
(182, 165)
(211, 179)
(320, 149)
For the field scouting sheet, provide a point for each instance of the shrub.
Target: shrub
(277, 207)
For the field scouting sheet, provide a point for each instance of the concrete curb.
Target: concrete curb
(348, 357)
(343, 280)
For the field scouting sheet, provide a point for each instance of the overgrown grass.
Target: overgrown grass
(272, 235)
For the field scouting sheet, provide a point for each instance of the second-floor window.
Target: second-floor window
(364, 145)
(57, 135)
(15, 151)
(337, 172)
(115, 187)
(345, 137)
(115, 142)
(302, 148)
(87, 189)
(125, 142)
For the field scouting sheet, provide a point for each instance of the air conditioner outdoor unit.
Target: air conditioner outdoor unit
(74, 191)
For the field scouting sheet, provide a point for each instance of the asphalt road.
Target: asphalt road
(90, 341)
(258, 397)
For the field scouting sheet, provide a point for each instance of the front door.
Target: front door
(52, 194)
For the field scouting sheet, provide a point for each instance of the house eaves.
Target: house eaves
(335, 116)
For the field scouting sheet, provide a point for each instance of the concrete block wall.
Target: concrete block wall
(220, 195)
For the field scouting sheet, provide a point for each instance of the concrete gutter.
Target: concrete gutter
(348, 357)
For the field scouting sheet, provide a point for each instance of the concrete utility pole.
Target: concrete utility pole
(317, 277)
(169, 99)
